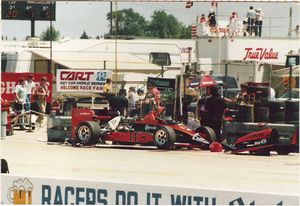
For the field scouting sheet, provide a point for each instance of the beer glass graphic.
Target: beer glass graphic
(20, 192)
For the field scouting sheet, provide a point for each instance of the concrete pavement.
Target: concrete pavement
(29, 154)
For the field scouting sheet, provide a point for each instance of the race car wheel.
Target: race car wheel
(87, 133)
(164, 138)
(209, 133)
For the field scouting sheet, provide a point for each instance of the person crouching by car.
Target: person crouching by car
(40, 95)
(120, 103)
(215, 106)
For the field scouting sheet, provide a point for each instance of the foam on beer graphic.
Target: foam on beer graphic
(20, 192)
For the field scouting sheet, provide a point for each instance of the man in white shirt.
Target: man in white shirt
(30, 85)
(271, 94)
(259, 21)
(20, 94)
(251, 15)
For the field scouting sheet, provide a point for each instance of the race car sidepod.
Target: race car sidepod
(261, 142)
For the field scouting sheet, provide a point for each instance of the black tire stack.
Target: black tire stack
(291, 112)
(277, 112)
(245, 113)
(261, 112)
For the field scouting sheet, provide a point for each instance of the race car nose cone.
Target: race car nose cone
(215, 147)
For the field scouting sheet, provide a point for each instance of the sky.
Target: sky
(72, 18)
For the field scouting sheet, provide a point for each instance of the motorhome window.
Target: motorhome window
(161, 59)
(41, 66)
(3, 61)
(292, 61)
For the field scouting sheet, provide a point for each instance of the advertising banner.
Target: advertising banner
(10, 80)
(166, 87)
(68, 80)
(167, 92)
(41, 191)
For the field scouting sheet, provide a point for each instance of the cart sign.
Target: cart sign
(81, 80)
(9, 81)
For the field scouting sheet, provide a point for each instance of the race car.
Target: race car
(152, 130)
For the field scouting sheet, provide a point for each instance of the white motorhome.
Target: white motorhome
(246, 58)
(130, 59)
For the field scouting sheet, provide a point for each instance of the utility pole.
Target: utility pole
(290, 22)
(111, 18)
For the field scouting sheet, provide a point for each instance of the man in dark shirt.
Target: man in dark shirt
(120, 103)
(215, 106)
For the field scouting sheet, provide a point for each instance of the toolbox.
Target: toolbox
(59, 128)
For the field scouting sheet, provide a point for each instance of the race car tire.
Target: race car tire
(261, 114)
(275, 106)
(245, 113)
(87, 133)
(277, 117)
(291, 117)
(164, 138)
(292, 106)
(283, 151)
(209, 133)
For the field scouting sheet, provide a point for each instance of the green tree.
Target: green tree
(46, 35)
(163, 25)
(84, 35)
(129, 23)
(185, 32)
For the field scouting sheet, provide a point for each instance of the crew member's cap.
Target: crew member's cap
(30, 75)
(140, 91)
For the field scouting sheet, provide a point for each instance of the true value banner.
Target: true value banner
(81, 80)
(41, 191)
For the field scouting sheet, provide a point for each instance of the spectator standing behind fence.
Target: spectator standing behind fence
(20, 94)
(202, 19)
(212, 22)
(259, 21)
(233, 24)
(30, 85)
(251, 16)
(245, 28)
(40, 95)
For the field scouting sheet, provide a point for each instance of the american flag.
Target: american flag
(189, 4)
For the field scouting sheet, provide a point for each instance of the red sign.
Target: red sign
(260, 54)
(10, 80)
